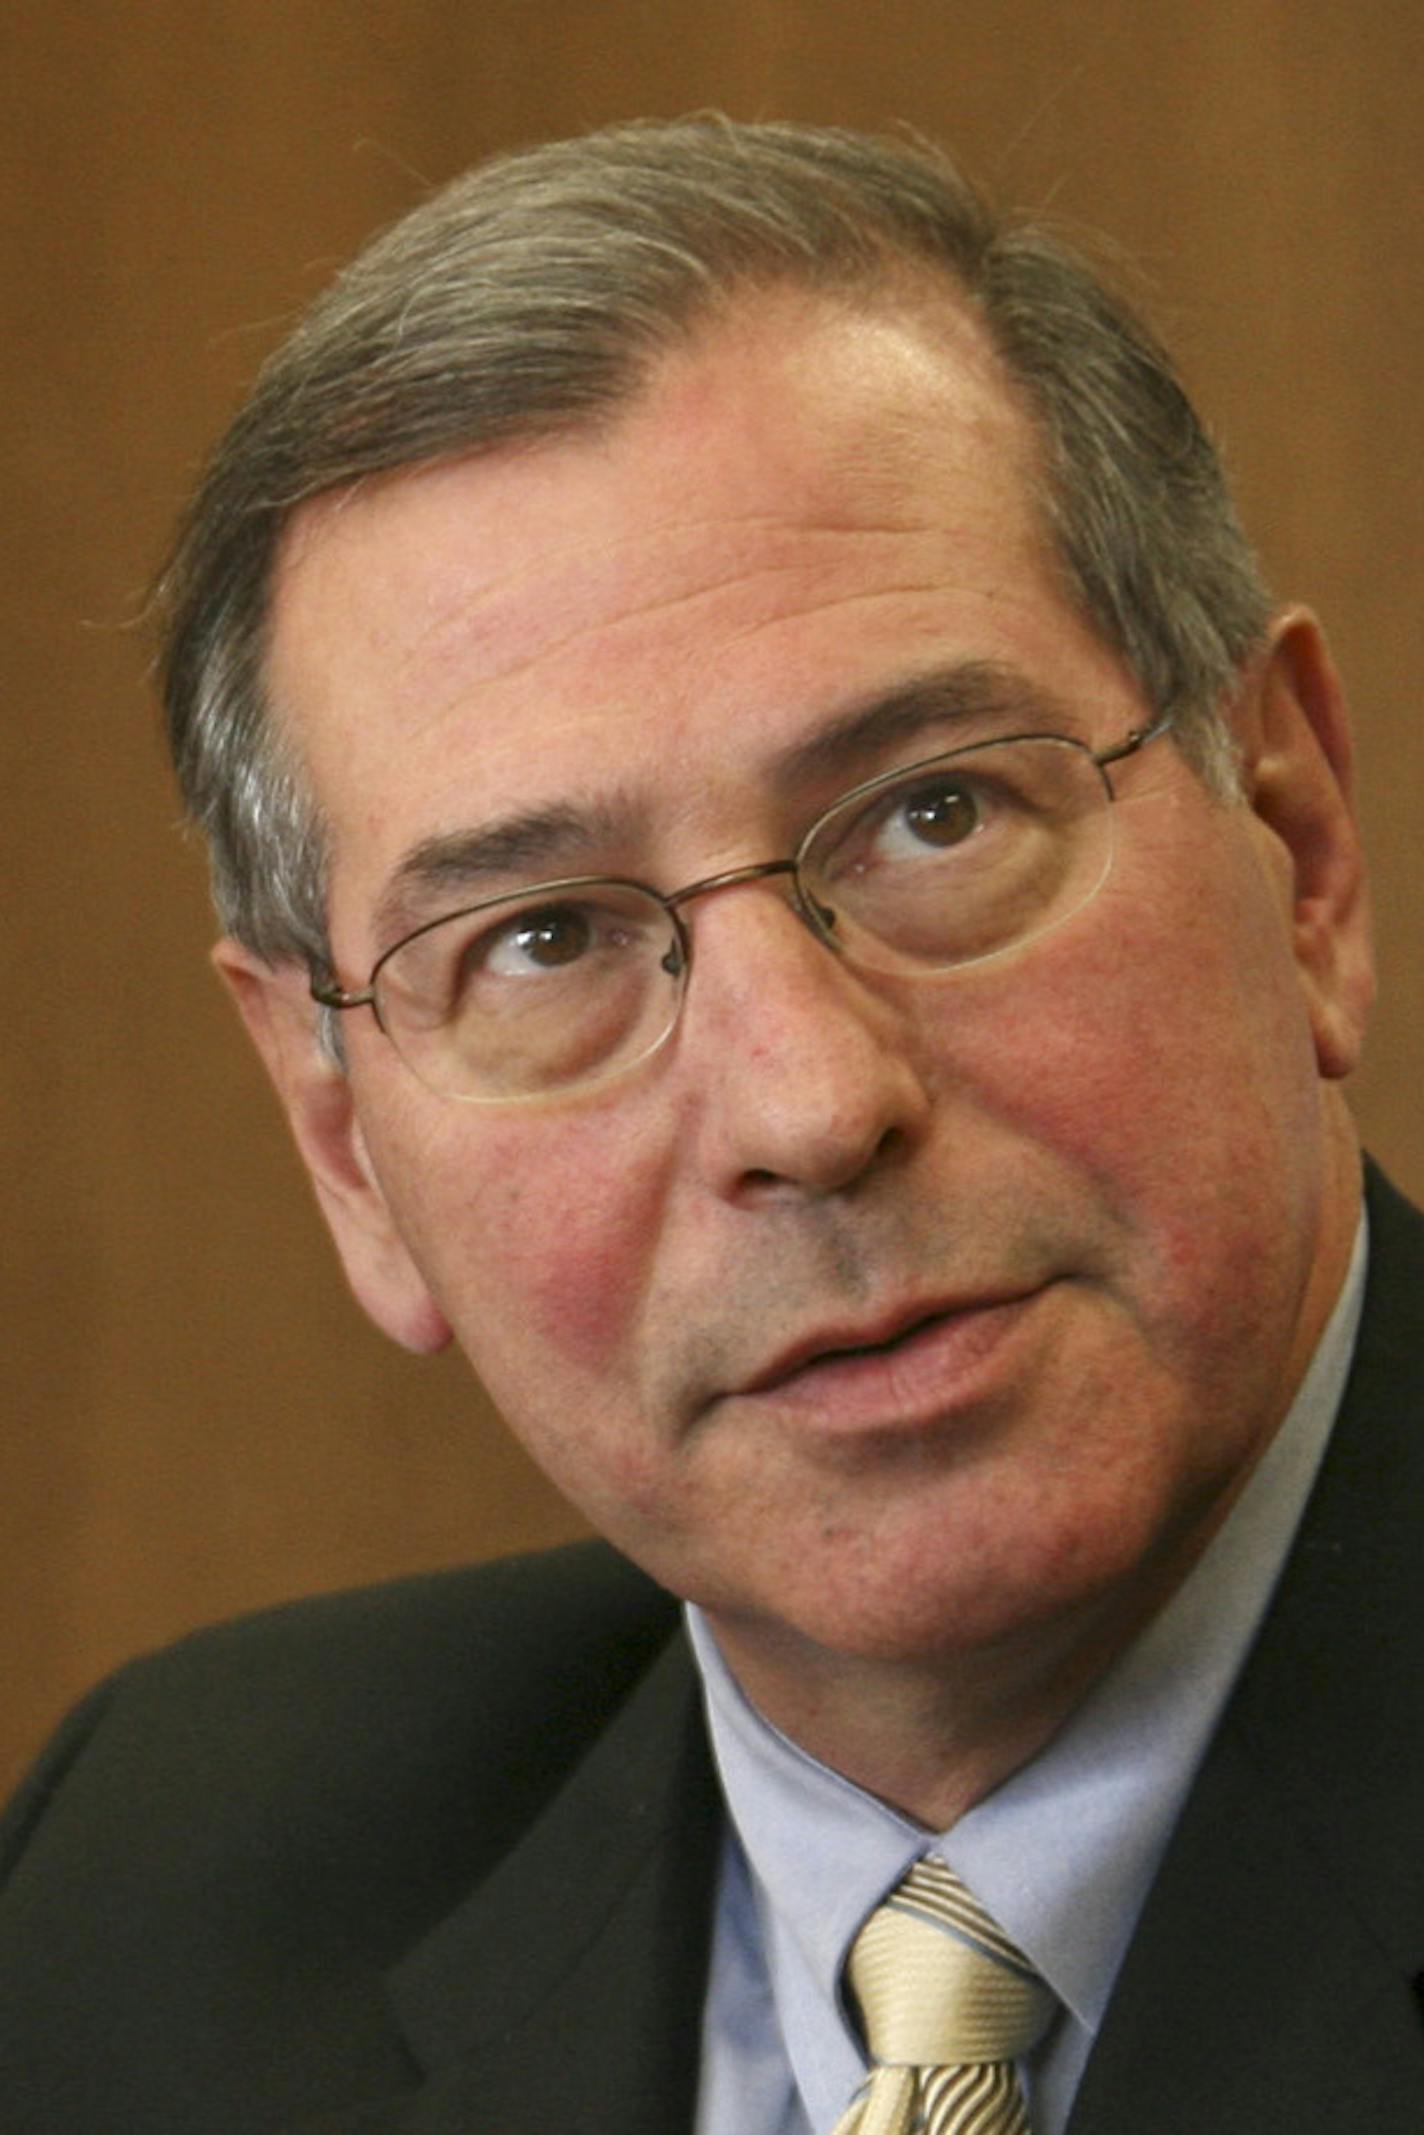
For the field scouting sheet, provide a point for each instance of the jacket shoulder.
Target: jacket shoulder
(361, 1752)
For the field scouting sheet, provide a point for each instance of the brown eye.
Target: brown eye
(943, 815)
(550, 939)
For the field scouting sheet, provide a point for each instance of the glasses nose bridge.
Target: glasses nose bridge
(819, 921)
(757, 871)
(733, 878)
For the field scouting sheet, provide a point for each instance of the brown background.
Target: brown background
(195, 1417)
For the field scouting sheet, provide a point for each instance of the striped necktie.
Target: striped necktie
(948, 2004)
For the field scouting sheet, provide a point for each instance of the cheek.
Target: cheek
(1167, 1067)
(543, 1262)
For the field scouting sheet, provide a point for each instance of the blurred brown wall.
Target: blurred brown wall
(196, 1417)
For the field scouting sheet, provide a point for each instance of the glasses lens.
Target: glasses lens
(962, 857)
(533, 993)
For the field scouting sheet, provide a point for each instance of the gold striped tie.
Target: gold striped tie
(948, 2004)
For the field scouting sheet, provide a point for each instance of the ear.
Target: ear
(1295, 736)
(281, 1019)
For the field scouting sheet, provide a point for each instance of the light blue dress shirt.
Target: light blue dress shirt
(1062, 1853)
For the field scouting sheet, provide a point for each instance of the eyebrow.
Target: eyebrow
(535, 843)
(971, 700)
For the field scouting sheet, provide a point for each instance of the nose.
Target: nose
(806, 1069)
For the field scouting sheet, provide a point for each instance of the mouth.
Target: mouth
(913, 1367)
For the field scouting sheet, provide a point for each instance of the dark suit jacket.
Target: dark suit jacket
(438, 1859)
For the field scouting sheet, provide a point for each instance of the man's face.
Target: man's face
(891, 1316)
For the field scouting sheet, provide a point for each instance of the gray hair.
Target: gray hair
(530, 299)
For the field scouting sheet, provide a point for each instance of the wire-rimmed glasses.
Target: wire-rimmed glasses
(918, 872)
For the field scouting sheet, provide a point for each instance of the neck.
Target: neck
(929, 1735)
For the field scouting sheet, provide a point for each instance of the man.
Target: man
(803, 908)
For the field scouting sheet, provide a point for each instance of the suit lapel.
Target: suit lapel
(1255, 1999)
(1270, 1987)
(573, 1978)
(567, 1989)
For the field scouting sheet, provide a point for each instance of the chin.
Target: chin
(947, 1603)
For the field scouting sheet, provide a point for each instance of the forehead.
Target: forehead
(804, 505)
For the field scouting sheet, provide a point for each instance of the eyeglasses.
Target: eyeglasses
(917, 872)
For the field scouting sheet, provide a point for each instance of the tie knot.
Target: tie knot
(939, 1982)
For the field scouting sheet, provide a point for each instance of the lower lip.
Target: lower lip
(931, 1378)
